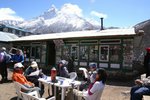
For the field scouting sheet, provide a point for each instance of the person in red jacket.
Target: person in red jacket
(19, 77)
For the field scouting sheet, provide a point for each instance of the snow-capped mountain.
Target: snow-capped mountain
(11, 22)
(63, 20)
(67, 18)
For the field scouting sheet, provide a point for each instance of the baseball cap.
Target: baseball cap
(18, 65)
(64, 62)
(92, 65)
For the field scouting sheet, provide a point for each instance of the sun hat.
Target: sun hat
(18, 65)
(34, 64)
(64, 62)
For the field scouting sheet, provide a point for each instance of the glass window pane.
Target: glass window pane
(104, 53)
(84, 52)
(26, 51)
(74, 52)
(114, 52)
(33, 52)
(65, 54)
(43, 55)
(38, 52)
(93, 53)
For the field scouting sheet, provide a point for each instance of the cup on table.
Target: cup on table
(61, 82)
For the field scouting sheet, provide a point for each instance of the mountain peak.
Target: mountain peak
(52, 12)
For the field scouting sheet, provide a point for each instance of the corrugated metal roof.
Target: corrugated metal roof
(6, 37)
(79, 34)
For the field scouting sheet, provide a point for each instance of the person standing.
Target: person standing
(71, 64)
(18, 57)
(147, 62)
(3, 67)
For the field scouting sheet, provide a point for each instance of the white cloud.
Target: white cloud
(9, 14)
(71, 9)
(97, 14)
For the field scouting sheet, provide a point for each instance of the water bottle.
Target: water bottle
(53, 74)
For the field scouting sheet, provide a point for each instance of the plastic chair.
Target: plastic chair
(34, 96)
(85, 72)
(73, 75)
(19, 87)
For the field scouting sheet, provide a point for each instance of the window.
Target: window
(110, 41)
(104, 53)
(26, 51)
(65, 52)
(114, 52)
(93, 53)
(74, 51)
(35, 53)
(84, 52)
(43, 54)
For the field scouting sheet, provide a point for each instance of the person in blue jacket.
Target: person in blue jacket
(18, 57)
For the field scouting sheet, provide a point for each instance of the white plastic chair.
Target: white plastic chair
(85, 72)
(34, 96)
(18, 88)
(73, 75)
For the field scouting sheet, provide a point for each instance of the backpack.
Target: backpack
(2, 56)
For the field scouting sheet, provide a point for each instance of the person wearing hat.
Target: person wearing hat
(92, 72)
(91, 76)
(18, 57)
(62, 69)
(4, 60)
(147, 62)
(32, 73)
(19, 77)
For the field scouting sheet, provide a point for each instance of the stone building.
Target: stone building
(112, 49)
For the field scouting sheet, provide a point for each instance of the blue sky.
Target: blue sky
(121, 13)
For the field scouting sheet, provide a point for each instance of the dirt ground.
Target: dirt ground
(114, 90)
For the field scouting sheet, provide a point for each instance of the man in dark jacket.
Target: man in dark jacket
(147, 62)
(4, 60)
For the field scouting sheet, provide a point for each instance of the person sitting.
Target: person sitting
(62, 69)
(92, 72)
(19, 77)
(95, 89)
(141, 88)
(32, 73)
(91, 76)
